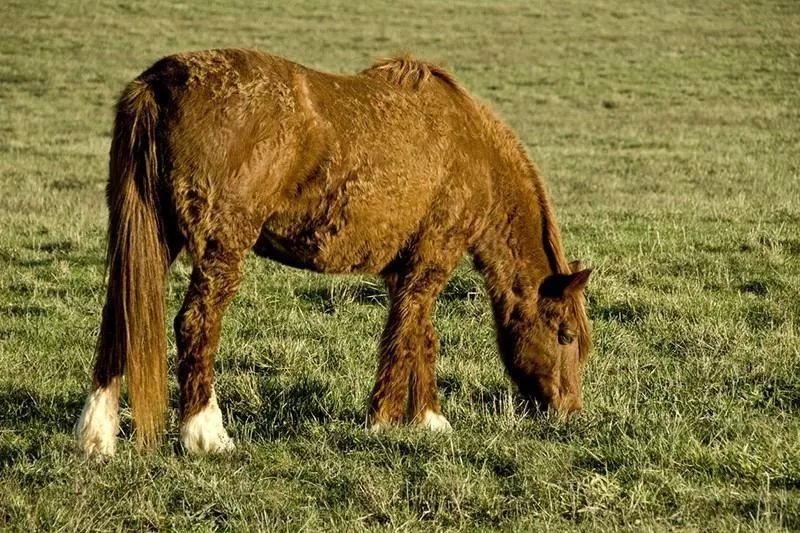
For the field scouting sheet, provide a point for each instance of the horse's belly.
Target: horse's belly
(330, 247)
(350, 216)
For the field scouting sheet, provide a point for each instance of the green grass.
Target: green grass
(670, 140)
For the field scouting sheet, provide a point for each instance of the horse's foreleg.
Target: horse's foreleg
(214, 281)
(423, 401)
(397, 353)
(408, 349)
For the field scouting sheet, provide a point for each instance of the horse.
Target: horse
(396, 171)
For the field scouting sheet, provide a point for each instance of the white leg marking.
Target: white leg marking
(377, 427)
(204, 432)
(435, 422)
(98, 425)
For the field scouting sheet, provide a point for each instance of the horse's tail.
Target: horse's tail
(132, 334)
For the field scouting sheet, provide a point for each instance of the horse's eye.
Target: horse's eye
(565, 337)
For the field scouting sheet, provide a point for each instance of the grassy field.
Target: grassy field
(670, 140)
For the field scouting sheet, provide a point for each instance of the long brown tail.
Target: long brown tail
(132, 334)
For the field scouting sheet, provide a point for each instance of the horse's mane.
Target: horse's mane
(551, 236)
(407, 71)
(554, 250)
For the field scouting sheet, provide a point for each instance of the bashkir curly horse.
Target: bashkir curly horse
(395, 171)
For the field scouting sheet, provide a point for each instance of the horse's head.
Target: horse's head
(546, 341)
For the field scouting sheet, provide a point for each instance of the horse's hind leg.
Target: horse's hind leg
(214, 281)
(98, 425)
(409, 346)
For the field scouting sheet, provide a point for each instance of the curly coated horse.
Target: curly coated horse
(396, 171)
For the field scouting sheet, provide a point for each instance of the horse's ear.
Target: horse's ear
(560, 285)
(578, 280)
(575, 266)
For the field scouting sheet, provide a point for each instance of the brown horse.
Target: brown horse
(395, 171)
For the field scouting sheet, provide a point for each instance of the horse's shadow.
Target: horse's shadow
(287, 409)
(327, 298)
(23, 407)
(34, 418)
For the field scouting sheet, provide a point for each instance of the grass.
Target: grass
(669, 138)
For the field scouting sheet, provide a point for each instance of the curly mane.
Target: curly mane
(407, 71)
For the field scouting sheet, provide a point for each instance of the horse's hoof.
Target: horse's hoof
(204, 432)
(199, 435)
(97, 449)
(435, 422)
(96, 430)
(377, 427)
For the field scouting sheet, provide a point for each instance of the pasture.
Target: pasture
(669, 139)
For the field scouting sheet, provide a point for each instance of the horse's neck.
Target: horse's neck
(519, 248)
